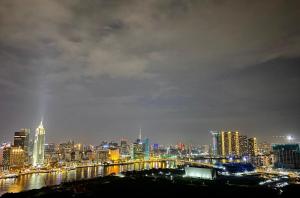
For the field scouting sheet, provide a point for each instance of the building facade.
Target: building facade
(13, 158)
(21, 139)
(225, 143)
(286, 155)
(243, 140)
(252, 147)
(39, 146)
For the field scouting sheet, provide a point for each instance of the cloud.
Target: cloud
(115, 64)
(193, 64)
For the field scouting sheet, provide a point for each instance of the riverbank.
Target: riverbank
(154, 182)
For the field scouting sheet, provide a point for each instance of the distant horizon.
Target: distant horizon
(132, 139)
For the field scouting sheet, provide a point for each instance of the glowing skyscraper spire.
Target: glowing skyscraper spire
(140, 135)
(38, 147)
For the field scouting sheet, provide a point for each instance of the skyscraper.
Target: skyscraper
(215, 135)
(146, 149)
(252, 146)
(137, 148)
(137, 152)
(13, 157)
(243, 140)
(225, 143)
(124, 148)
(39, 146)
(287, 155)
(21, 139)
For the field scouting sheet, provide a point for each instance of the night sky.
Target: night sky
(100, 70)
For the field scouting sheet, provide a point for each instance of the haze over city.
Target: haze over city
(101, 70)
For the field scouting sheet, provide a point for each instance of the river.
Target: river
(38, 180)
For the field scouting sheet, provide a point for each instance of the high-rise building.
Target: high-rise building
(243, 140)
(39, 146)
(252, 147)
(138, 148)
(180, 146)
(137, 151)
(215, 143)
(50, 154)
(102, 156)
(155, 150)
(286, 155)
(13, 158)
(1, 158)
(146, 149)
(225, 143)
(114, 154)
(21, 139)
(264, 148)
(124, 148)
(235, 143)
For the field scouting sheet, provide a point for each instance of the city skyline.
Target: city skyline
(100, 70)
(215, 135)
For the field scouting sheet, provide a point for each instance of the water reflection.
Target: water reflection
(38, 180)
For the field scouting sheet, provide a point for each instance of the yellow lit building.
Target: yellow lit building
(228, 143)
(114, 154)
(13, 157)
(252, 146)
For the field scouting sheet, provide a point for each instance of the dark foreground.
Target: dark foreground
(158, 183)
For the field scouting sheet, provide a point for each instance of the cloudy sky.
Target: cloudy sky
(100, 70)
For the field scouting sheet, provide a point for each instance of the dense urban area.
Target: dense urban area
(231, 158)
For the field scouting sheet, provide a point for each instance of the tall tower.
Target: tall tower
(39, 148)
(21, 139)
(140, 135)
(252, 146)
(215, 142)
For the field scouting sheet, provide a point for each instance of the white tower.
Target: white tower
(140, 135)
(39, 148)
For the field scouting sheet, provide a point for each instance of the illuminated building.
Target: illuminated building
(155, 150)
(215, 143)
(264, 148)
(146, 149)
(200, 172)
(243, 140)
(225, 143)
(204, 149)
(21, 139)
(1, 158)
(124, 148)
(286, 155)
(180, 146)
(50, 148)
(90, 155)
(39, 146)
(66, 149)
(263, 160)
(102, 156)
(49, 152)
(13, 158)
(252, 147)
(114, 154)
(235, 143)
(78, 147)
(77, 156)
(138, 148)
(137, 151)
